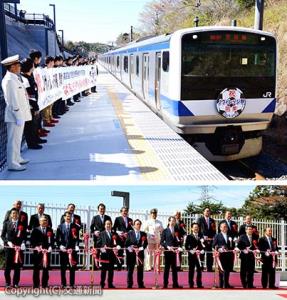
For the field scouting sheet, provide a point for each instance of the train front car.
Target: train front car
(227, 89)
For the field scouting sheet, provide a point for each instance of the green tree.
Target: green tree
(246, 3)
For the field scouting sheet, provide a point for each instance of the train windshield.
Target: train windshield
(227, 56)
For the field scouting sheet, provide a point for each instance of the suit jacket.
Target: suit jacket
(232, 230)
(97, 224)
(255, 233)
(192, 243)
(23, 217)
(167, 239)
(32, 92)
(263, 246)
(132, 240)
(120, 225)
(68, 239)
(110, 242)
(38, 238)
(34, 221)
(219, 242)
(75, 219)
(16, 236)
(244, 242)
(17, 103)
(180, 227)
(209, 232)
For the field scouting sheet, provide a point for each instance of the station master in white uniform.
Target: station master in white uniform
(17, 112)
(153, 228)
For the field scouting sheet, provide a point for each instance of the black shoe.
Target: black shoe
(111, 286)
(56, 117)
(77, 100)
(141, 287)
(229, 287)
(129, 286)
(200, 287)
(35, 147)
(273, 287)
(177, 286)
(41, 141)
(35, 286)
(165, 286)
(63, 286)
(15, 286)
(7, 286)
(191, 287)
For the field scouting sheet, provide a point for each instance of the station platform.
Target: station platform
(111, 136)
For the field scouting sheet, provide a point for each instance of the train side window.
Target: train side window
(126, 64)
(165, 61)
(137, 66)
(118, 61)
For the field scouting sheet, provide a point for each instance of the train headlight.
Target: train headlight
(195, 36)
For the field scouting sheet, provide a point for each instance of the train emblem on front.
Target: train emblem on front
(231, 103)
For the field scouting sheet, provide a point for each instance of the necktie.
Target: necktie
(207, 222)
(196, 236)
(20, 78)
(270, 243)
(126, 222)
(172, 231)
(14, 226)
(43, 230)
(102, 219)
(250, 239)
(138, 236)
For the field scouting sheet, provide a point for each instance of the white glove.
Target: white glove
(267, 253)
(245, 251)
(62, 248)
(97, 233)
(179, 249)
(191, 251)
(77, 249)
(169, 248)
(50, 249)
(257, 251)
(141, 248)
(276, 252)
(119, 232)
(103, 250)
(10, 244)
(130, 249)
(19, 122)
(237, 249)
(220, 250)
(119, 247)
(202, 252)
(23, 247)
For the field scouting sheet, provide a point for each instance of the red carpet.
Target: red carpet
(84, 278)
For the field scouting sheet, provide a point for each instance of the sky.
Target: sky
(142, 197)
(89, 20)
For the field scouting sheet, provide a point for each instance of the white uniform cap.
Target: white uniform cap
(11, 60)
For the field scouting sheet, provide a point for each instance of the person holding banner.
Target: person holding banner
(172, 247)
(67, 238)
(109, 243)
(269, 251)
(248, 244)
(23, 216)
(136, 243)
(224, 245)
(194, 244)
(14, 237)
(42, 240)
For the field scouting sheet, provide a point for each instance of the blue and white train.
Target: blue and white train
(215, 85)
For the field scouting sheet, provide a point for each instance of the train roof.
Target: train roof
(166, 37)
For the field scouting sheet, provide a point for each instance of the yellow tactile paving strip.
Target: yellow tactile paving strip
(151, 168)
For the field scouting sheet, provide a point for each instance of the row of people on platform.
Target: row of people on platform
(22, 112)
(125, 236)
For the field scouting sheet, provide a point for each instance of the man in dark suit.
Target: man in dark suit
(248, 222)
(23, 217)
(171, 243)
(232, 229)
(223, 243)
(98, 222)
(180, 228)
(136, 243)
(67, 238)
(75, 219)
(269, 251)
(42, 238)
(13, 235)
(194, 246)
(109, 243)
(207, 228)
(34, 220)
(123, 224)
(247, 244)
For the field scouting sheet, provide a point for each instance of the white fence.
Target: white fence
(56, 211)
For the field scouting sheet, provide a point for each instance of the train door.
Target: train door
(145, 77)
(131, 70)
(157, 80)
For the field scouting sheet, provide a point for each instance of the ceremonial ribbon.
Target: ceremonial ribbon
(115, 251)
(197, 252)
(273, 254)
(49, 235)
(94, 252)
(86, 242)
(17, 258)
(20, 228)
(138, 260)
(177, 258)
(156, 261)
(45, 258)
(72, 262)
(216, 256)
